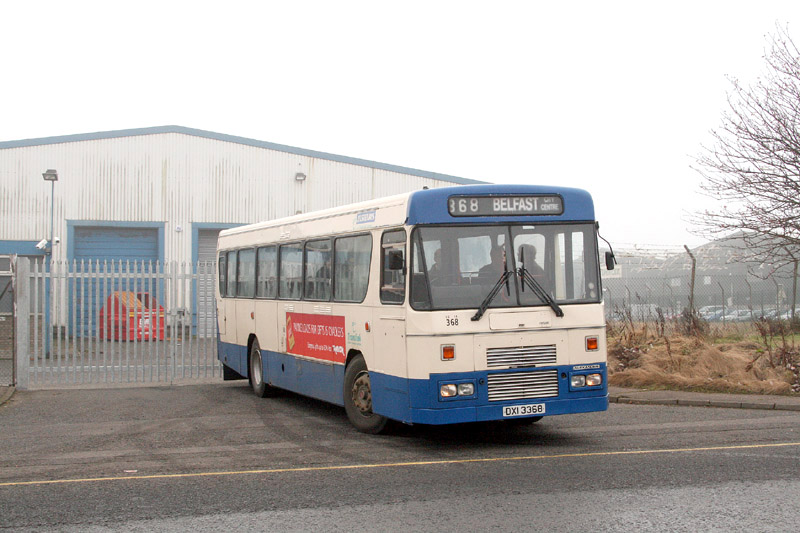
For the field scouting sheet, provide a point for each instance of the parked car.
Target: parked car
(711, 312)
(775, 314)
(738, 315)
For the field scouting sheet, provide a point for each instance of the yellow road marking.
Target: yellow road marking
(395, 465)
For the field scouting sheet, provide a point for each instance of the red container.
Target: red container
(128, 316)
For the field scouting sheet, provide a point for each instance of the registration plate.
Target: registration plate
(523, 410)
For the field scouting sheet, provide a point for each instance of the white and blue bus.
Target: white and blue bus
(457, 304)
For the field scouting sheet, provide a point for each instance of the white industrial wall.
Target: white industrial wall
(178, 179)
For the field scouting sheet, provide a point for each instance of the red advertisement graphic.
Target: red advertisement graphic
(318, 336)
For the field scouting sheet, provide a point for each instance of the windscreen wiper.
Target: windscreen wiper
(539, 291)
(489, 297)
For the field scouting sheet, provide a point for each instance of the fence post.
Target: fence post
(691, 286)
(794, 291)
(21, 268)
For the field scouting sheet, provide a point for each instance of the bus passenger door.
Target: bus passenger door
(390, 382)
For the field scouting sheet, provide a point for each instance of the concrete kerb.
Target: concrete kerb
(689, 399)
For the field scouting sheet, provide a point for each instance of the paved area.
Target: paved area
(6, 370)
(215, 456)
(5, 393)
(659, 397)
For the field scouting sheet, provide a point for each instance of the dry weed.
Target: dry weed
(690, 363)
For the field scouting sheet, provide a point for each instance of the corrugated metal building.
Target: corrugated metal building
(164, 193)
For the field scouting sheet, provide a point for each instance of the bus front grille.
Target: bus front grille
(523, 385)
(521, 356)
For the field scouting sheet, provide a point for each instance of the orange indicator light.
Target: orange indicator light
(591, 344)
(448, 352)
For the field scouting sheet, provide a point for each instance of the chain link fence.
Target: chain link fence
(719, 296)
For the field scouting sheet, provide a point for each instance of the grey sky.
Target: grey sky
(613, 97)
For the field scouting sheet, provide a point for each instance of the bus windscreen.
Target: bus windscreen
(457, 267)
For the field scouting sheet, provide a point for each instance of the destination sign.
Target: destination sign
(492, 206)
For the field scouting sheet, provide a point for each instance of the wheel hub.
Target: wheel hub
(362, 394)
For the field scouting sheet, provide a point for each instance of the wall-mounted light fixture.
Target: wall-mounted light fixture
(300, 176)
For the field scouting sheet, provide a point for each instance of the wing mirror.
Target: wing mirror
(610, 261)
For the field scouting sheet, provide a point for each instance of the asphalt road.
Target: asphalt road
(208, 457)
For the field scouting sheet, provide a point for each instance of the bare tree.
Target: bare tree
(753, 166)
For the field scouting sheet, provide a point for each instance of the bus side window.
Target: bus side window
(351, 268)
(290, 284)
(223, 271)
(266, 286)
(231, 290)
(318, 270)
(246, 273)
(393, 267)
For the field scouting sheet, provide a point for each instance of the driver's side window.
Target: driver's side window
(393, 267)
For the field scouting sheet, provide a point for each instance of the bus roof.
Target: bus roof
(430, 206)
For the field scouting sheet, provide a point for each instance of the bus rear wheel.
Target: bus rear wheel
(256, 373)
(358, 398)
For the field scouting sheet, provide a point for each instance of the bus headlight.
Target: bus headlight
(593, 380)
(577, 381)
(466, 389)
(448, 390)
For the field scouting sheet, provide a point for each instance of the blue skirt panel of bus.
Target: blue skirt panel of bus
(425, 406)
(323, 381)
(234, 356)
(417, 400)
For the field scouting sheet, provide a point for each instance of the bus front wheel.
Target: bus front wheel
(358, 398)
(256, 374)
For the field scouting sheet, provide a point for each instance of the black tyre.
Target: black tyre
(358, 398)
(256, 372)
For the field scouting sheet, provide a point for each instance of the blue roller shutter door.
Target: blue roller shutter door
(110, 250)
